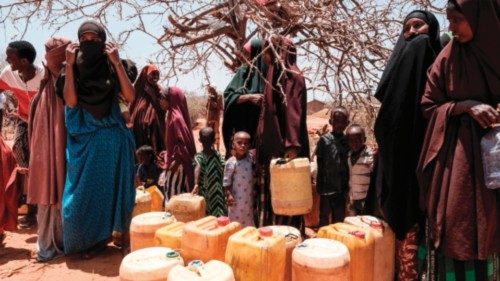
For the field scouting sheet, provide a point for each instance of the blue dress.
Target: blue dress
(99, 192)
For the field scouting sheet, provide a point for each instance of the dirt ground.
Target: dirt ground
(15, 254)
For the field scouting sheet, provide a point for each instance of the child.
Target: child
(239, 181)
(360, 168)
(209, 169)
(333, 172)
(214, 107)
(147, 171)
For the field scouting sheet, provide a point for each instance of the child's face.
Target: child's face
(356, 139)
(241, 144)
(338, 121)
(462, 32)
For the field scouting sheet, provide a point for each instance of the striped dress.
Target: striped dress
(210, 182)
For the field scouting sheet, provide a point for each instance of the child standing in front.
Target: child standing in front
(239, 181)
(209, 168)
(360, 168)
(333, 171)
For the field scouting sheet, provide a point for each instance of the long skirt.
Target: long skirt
(50, 236)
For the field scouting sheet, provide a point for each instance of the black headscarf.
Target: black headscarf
(400, 126)
(95, 80)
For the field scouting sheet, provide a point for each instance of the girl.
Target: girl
(208, 174)
(239, 181)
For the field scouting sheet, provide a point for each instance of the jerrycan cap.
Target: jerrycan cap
(358, 234)
(376, 224)
(223, 221)
(302, 246)
(172, 254)
(195, 263)
(265, 231)
(166, 215)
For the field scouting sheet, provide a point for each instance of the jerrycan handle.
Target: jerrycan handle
(372, 223)
(291, 237)
(282, 161)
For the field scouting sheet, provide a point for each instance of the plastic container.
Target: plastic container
(206, 239)
(256, 254)
(157, 198)
(321, 259)
(142, 202)
(149, 264)
(187, 207)
(198, 271)
(361, 247)
(291, 192)
(170, 236)
(144, 226)
(292, 238)
(384, 240)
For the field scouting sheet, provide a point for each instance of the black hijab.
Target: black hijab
(400, 126)
(95, 80)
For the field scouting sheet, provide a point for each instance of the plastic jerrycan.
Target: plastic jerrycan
(157, 198)
(170, 235)
(149, 264)
(206, 239)
(144, 226)
(142, 202)
(256, 254)
(198, 271)
(361, 247)
(292, 239)
(321, 259)
(384, 239)
(187, 207)
(291, 192)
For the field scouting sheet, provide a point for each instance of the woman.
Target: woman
(99, 191)
(243, 96)
(8, 190)
(282, 129)
(399, 131)
(179, 143)
(147, 116)
(460, 102)
(47, 138)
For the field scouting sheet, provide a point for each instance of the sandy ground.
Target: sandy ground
(15, 254)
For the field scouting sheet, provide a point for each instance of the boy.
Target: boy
(360, 168)
(22, 78)
(333, 171)
(208, 173)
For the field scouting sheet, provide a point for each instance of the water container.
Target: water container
(206, 239)
(291, 186)
(256, 254)
(170, 236)
(321, 259)
(311, 219)
(142, 202)
(384, 240)
(143, 228)
(198, 271)
(292, 239)
(361, 247)
(157, 198)
(149, 264)
(187, 207)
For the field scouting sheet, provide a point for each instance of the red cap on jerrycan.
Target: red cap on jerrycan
(223, 221)
(265, 231)
(358, 234)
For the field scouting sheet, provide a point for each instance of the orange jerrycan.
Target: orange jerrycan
(206, 239)
(170, 235)
(142, 202)
(384, 240)
(312, 219)
(187, 207)
(321, 259)
(292, 239)
(149, 264)
(291, 186)
(144, 226)
(361, 247)
(157, 198)
(198, 271)
(256, 254)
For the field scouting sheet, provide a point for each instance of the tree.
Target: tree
(344, 44)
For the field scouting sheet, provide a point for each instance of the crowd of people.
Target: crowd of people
(90, 131)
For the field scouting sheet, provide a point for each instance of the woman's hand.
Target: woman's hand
(251, 98)
(483, 113)
(111, 50)
(71, 53)
(291, 153)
